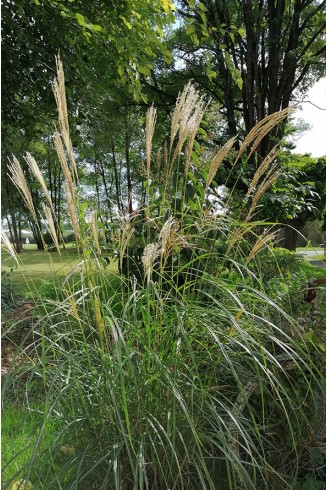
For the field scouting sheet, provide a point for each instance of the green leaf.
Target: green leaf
(202, 7)
(95, 27)
(210, 73)
(204, 18)
(195, 39)
(128, 25)
(190, 29)
(144, 70)
(194, 158)
(239, 82)
(168, 57)
(81, 20)
(202, 132)
(37, 2)
(168, 6)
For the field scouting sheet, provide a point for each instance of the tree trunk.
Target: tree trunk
(293, 228)
(117, 181)
(128, 167)
(17, 244)
(10, 230)
(14, 233)
(36, 235)
(104, 180)
(290, 236)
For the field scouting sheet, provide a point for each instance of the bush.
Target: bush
(183, 372)
(279, 262)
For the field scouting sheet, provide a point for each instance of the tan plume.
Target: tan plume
(51, 226)
(38, 174)
(17, 176)
(60, 96)
(151, 117)
(10, 249)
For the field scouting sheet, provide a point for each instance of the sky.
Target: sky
(315, 140)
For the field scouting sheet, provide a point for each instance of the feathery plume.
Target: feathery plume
(151, 117)
(72, 212)
(17, 176)
(217, 160)
(186, 118)
(262, 168)
(150, 254)
(63, 162)
(237, 235)
(262, 128)
(60, 96)
(261, 242)
(94, 231)
(51, 226)
(10, 249)
(165, 235)
(260, 191)
(169, 238)
(37, 173)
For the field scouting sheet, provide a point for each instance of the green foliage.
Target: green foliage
(255, 53)
(149, 401)
(313, 233)
(300, 189)
(279, 262)
(182, 373)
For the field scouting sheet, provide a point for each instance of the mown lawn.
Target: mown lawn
(37, 268)
(310, 249)
(20, 431)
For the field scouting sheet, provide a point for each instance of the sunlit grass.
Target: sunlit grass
(20, 429)
(309, 249)
(36, 267)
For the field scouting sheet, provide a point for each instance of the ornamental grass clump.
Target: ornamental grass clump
(180, 373)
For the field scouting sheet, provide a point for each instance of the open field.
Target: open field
(310, 249)
(37, 267)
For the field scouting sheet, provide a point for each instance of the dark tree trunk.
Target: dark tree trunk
(20, 228)
(104, 180)
(290, 236)
(14, 225)
(117, 180)
(37, 234)
(128, 167)
(10, 230)
(17, 244)
(293, 228)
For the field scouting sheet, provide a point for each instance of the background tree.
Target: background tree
(298, 196)
(254, 57)
(105, 46)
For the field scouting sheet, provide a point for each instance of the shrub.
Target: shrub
(182, 373)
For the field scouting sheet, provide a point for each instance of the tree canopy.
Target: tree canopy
(251, 59)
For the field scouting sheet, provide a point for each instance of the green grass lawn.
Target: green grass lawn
(19, 433)
(38, 267)
(316, 257)
(310, 249)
